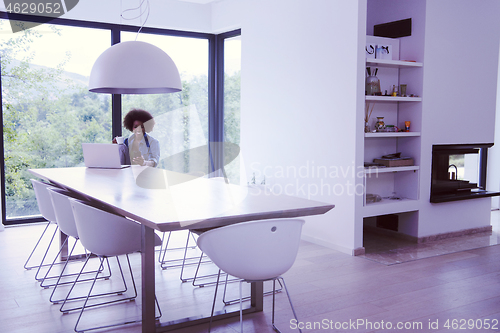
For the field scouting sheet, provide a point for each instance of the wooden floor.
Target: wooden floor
(326, 287)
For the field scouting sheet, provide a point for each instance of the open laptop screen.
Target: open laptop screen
(101, 155)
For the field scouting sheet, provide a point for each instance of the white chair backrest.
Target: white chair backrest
(43, 200)
(64, 213)
(105, 233)
(256, 250)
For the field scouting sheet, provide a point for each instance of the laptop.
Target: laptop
(102, 155)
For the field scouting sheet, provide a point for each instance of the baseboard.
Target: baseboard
(329, 245)
(358, 251)
(430, 237)
(452, 234)
(361, 250)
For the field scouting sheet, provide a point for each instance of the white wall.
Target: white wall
(301, 76)
(460, 78)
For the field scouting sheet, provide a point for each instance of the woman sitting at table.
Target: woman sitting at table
(142, 149)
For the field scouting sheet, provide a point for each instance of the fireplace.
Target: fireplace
(459, 172)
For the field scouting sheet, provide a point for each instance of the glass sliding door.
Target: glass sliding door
(46, 107)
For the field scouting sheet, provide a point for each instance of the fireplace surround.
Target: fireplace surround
(459, 172)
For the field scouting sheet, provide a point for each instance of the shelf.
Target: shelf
(392, 99)
(377, 170)
(388, 206)
(403, 180)
(393, 63)
(391, 134)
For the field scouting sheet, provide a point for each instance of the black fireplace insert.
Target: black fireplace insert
(459, 172)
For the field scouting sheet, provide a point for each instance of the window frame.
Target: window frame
(217, 121)
(215, 86)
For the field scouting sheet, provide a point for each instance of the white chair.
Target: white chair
(197, 260)
(66, 222)
(47, 211)
(254, 251)
(165, 262)
(105, 235)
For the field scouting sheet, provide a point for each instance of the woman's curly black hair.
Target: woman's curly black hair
(138, 114)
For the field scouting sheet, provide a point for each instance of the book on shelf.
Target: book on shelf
(394, 162)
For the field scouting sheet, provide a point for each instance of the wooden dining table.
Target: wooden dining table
(167, 201)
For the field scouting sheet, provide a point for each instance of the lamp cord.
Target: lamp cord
(141, 13)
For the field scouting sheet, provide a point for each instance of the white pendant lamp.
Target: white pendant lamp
(134, 67)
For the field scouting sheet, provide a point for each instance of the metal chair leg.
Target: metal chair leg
(274, 302)
(185, 263)
(58, 283)
(160, 257)
(44, 256)
(110, 302)
(172, 263)
(241, 308)
(246, 298)
(43, 283)
(281, 281)
(184, 260)
(225, 288)
(34, 249)
(289, 300)
(46, 277)
(196, 277)
(85, 303)
(72, 286)
(213, 304)
(117, 292)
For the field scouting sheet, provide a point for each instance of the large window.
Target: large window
(48, 112)
(47, 109)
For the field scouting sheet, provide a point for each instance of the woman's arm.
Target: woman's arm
(153, 152)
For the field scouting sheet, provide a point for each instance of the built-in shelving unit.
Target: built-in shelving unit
(394, 182)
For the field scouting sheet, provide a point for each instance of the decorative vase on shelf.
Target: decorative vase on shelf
(367, 127)
(372, 86)
(380, 125)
